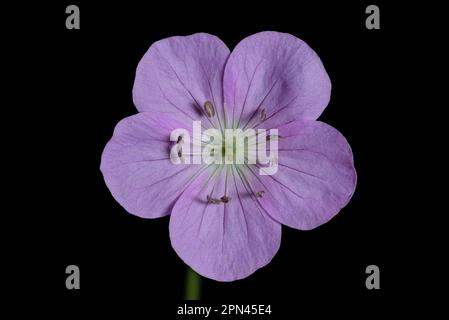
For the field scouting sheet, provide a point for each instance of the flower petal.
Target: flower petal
(276, 72)
(179, 74)
(137, 168)
(222, 241)
(315, 178)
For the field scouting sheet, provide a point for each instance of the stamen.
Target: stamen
(260, 193)
(179, 151)
(212, 200)
(263, 115)
(179, 140)
(225, 199)
(209, 109)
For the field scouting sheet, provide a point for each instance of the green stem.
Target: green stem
(192, 285)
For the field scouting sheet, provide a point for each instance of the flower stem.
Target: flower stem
(192, 285)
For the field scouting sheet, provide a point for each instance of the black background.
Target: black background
(83, 81)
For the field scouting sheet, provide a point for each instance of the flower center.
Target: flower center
(234, 144)
(233, 148)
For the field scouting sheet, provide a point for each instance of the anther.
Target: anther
(212, 200)
(209, 109)
(260, 193)
(263, 115)
(179, 151)
(179, 140)
(225, 199)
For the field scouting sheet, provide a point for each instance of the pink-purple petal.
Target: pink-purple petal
(222, 241)
(276, 72)
(315, 179)
(179, 74)
(136, 165)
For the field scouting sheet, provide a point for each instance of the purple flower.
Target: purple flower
(226, 219)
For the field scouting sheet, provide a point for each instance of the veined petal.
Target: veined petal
(179, 74)
(223, 241)
(278, 73)
(315, 179)
(137, 168)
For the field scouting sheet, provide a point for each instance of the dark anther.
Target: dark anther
(225, 199)
(209, 109)
(260, 193)
(263, 115)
